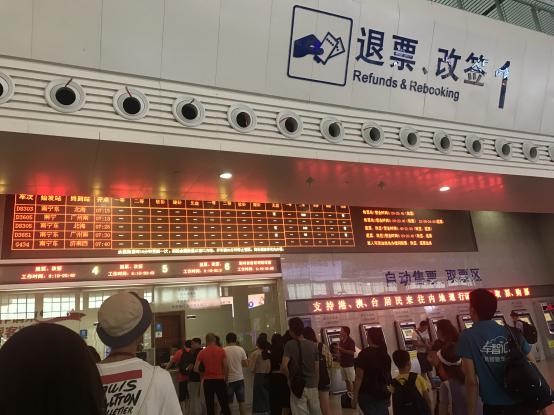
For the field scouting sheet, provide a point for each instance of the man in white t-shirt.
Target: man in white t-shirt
(236, 360)
(132, 386)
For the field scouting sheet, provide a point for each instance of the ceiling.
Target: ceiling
(56, 165)
(532, 14)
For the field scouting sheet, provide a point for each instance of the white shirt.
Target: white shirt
(134, 387)
(422, 337)
(235, 356)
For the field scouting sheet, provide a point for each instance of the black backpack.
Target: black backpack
(324, 379)
(406, 399)
(522, 379)
(187, 358)
(530, 333)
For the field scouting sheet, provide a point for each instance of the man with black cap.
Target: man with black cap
(133, 386)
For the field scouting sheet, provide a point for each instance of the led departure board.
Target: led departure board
(40, 226)
(135, 270)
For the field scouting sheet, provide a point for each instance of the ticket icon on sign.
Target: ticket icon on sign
(322, 51)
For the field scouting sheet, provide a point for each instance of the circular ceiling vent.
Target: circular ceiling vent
(188, 111)
(7, 88)
(474, 145)
(531, 152)
(65, 95)
(409, 138)
(332, 130)
(503, 149)
(442, 142)
(289, 124)
(130, 103)
(242, 118)
(373, 134)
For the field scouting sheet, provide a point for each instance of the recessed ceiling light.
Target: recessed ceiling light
(444, 189)
(226, 175)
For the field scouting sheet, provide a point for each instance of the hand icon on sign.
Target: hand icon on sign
(307, 45)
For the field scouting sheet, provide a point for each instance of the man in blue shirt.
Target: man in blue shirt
(483, 349)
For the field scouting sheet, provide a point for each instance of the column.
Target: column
(292, 235)
(24, 211)
(50, 222)
(245, 224)
(141, 230)
(229, 225)
(275, 224)
(195, 224)
(159, 223)
(259, 220)
(177, 224)
(121, 217)
(212, 224)
(79, 227)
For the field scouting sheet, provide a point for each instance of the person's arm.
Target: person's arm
(285, 366)
(471, 385)
(252, 361)
(197, 363)
(225, 367)
(244, 360)
(427, 399)
(357, 384)
(351, 352)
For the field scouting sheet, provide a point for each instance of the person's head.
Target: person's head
(277, 342)
(122, 320)
(309, 334)
(446, 331)
(196, 343)
(211, 339)
(482, 304)
(423, 325)
(231, 338)
(376, 338)
(188, 344)
(451, 363)
(344, 333)
(217, 341)
(296, 327)
(59, 377)
(514, 316)
(262, 343)
(401, 359)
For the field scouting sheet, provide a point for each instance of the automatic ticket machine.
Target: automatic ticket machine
(464, 321)
(331, 337)
(433, 327)
(363, 332)
(406, 336)
(548, 312)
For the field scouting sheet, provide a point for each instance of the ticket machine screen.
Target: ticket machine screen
(526, 319)
(408, 333)
(547, 316)
(468, 324)
(499, 321)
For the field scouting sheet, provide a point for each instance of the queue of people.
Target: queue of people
(291, 373)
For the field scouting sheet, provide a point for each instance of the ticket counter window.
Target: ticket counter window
(58, 305)
(17, 307)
